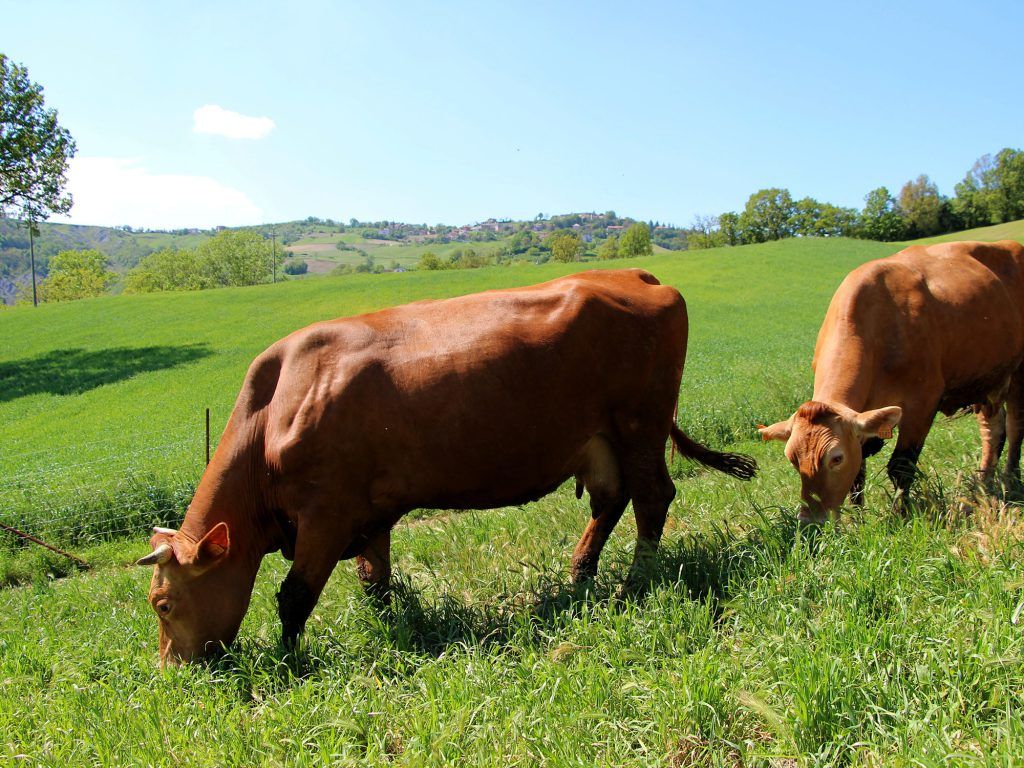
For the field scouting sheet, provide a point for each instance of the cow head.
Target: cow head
(824, 443)
(200, 592)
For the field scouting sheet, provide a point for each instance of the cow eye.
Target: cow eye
(836, 460)
(163, 607)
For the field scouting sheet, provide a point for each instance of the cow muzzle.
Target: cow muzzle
(812, 513)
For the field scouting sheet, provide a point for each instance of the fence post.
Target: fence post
(207, 437)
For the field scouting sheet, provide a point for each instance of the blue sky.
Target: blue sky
(454, 112)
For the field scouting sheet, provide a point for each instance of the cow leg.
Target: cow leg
(605, 511)
(871, 446)
(601, 475)
(992, 426)
(317, 551)
(902, 468)
(1014, 426)
(652, 491)
(373, 566)
(857, 489)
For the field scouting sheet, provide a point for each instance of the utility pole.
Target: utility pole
(273, 240)
(32, 256)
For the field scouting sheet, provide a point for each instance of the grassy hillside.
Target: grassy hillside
(124, 249)
(1011, 230)
(877, 642)
(323, 255)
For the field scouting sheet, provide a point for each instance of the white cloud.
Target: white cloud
(110, 191)
(224, 122)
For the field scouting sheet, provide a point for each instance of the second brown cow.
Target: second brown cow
(928, 330)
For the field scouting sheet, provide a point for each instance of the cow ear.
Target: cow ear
(780, 430)
(214, 546)
(878, 423)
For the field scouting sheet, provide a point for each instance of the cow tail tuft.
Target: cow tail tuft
(735, 464)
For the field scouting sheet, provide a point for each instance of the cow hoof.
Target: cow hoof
(582, 576)
(378, 592)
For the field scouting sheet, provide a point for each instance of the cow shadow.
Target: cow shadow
(74, 371)
(711, 566)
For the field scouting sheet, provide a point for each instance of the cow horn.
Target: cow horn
(161, 554)
(168, 531)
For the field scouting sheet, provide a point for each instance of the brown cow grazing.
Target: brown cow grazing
(475, 402)
(930, 329)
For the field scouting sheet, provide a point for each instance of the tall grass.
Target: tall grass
(875, 642)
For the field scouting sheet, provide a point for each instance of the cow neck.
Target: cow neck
(230, 492)
(842, 379)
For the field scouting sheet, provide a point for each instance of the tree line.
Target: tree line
(231, 258)
(992, 192)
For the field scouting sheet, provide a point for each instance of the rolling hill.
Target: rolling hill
(1011, 230)
(323, 244)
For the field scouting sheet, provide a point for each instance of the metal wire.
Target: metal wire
(64, 469)
(134, 436)
(43, 503)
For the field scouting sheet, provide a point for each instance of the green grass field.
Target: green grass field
(1011, 230)
(876, 642)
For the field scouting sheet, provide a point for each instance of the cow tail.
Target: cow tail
(735, 464)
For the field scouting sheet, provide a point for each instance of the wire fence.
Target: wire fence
(54, 495)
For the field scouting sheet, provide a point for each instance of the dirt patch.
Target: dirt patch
(320, 266)
(311, 248)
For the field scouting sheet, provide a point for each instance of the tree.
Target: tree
(881, 218)
(609, 248)
(969, 204)
(168, 269)
(565, 246)
(296, 267)
(806, 215)
(430, 260)
(837, 221)
(76, 275)
(521, 242)
(704, 232)
(922, 207)
(993, 190)
(236, 258)
(767, 216)
(34, 149)
(369, 264)
(815, 219)
(729, 228)
(636, 241)
(467, 259)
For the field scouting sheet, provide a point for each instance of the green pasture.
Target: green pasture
(878, 641)
(1011, 230)
(385, 252)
